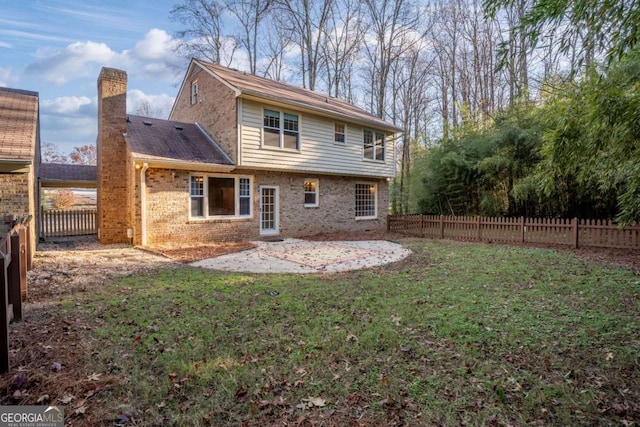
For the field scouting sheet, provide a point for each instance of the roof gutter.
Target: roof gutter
(16, 162)
(183, 165)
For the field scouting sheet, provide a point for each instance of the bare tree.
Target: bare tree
(343, 41)
(250, 14)
(392, 25)
(308, 20)
(277, 42)
(202, 35)
(51, 153)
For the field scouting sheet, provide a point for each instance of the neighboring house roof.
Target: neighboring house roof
(67, 175)
(252, 85)
(173, 144)
(18, 125)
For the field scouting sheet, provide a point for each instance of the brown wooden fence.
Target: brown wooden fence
(67, 222)
(544, 231)
(14, 253)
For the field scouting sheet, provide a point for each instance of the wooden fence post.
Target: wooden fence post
(574, 232)
(14, 274)
(388, 222)
(479, 223)
(442, 226)
(521, 229)
(4, 314)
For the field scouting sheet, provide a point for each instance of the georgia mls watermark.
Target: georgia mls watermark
(31, 416)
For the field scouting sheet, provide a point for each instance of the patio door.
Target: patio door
(269, 210)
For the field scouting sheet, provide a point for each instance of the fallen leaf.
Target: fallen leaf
(609, 356)
(18, 394)
(351, 337)
(81, 410)
(42, 398)
(67, 399)
(94, 377)
(318, 401)
(56, 367)
(241, 394)
(20, 380)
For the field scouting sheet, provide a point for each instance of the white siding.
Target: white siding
(318, 152)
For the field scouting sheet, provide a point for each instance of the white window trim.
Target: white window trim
(375, 202)
(345, 133)
(317, 192)
(281, 134)
(237, 179)
(384, 141)
(194, 93)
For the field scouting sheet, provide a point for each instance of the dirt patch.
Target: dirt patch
(71, 265)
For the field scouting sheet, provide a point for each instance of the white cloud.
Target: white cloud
(156, 45)
(64, 105)
(143, 104)
(6, 76)
(74, 61)
(150, 59)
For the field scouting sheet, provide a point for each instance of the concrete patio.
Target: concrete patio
(302, 256)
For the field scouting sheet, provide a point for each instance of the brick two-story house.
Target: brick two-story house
(241, 157)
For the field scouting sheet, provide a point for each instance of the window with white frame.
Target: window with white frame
(197, 196)
(339, 133)
(310, 193)
(366, 194)
(194, 92)
(373, 145)
(215, 196)
(280, 130)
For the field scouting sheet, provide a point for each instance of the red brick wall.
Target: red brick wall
(215, 111)
(167, 210)
(113, 218)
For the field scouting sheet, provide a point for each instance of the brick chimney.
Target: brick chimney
(113, 202)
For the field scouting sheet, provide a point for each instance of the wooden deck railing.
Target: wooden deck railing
(544, 231)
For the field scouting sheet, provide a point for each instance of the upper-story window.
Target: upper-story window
(373, 145)
(194, 92)
(339, 133)
(280, 130)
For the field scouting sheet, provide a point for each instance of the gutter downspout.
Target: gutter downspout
(143, 203)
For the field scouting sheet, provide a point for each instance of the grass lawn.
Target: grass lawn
(457, 334)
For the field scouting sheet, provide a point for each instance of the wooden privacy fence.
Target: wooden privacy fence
(14, 252)
(545, 231)
(67, 222)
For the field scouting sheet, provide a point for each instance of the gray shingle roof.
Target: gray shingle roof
(18, 124)
(164, 140)
(249, 84)
(68, 172)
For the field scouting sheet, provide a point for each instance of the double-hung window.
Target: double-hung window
(280, 130)
(373, 145)
(194, 92)
(339, 133)
(310, 193)
(366, 200)
(216, 196)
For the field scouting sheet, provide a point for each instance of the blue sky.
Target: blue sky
(57, 48)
